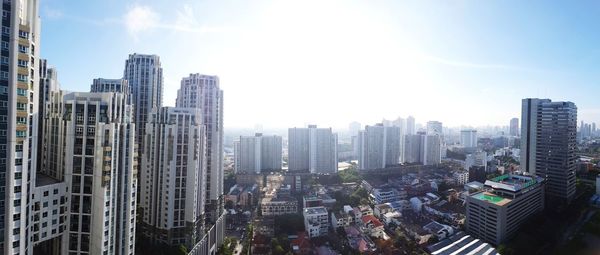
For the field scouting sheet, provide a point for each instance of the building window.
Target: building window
(23, 49)
(23, 34)
(21, 92)
(22, 77)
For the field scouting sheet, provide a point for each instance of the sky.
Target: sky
(327, 62)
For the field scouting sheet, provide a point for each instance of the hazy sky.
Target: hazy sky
(287, 63)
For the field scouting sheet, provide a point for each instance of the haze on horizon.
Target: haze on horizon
(288, 63)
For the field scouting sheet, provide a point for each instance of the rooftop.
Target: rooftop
(491, 198)
(512, 182)
(43, 180)
(315, 210)
(461, 244)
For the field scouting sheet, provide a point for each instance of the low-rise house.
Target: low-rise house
(341, 219)
(385, 195)
(248, 196)
(400, 205)
(365, 210)
(392, 217)
(301, 245)
(440, 230)
(373, 226)
(261, 245)
(381, 209)
(461, 177)
(316, 221)
(358, 241)
(271, 206)
(234, 194)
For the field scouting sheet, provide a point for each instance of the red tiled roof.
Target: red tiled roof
(370, 218)
(302, 241)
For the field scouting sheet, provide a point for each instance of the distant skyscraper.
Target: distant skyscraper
(435, 128)
(378, 146)
(258, 153)
(514, 127)
(548, 142)
(411, 127)
(422, 148)
(312, 149)
(173, 177)
(401, 124)
(431, 149)
(468, 138)
(353, 128)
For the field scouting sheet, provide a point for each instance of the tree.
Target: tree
(289, 224)
(182, 249)
(443, 187)
(349, 175)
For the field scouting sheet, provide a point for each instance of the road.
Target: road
(574, 228)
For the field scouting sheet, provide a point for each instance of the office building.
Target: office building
(353, 128)
(378, 147)
(258, 153)
(316, 221)
(548, 143)
(411, 128)
(312, 149)
(514, 127)
(468, 138)
(173, 177)
(435, 128)
(507, 201)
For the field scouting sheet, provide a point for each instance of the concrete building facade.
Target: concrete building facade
(507, 201)
(203, 92)
(258, 153)
(173, 176)
(548, 144)
(312, 149)
(378, 147)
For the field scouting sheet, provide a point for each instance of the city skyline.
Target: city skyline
(480, 69)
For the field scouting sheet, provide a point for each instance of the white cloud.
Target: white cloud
(53, 13)
(140, 19)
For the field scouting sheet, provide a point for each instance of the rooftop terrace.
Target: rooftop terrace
(513, 182)
(315, 210)
(491, 198)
